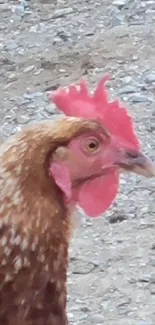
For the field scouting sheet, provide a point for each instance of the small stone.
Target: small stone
(19, 10)
(144, 209)
(70, 315)
(150, 77)
(102, 267)
(18, 129)
(127, 80)
(7, 86)
(115, 22)
(50, 109)
(152, 289)
(79, 301)
(145, 279)
(85, 309)
(152, 280)
(143, 5)
(11, 45)
(63, 36)
(37, 94)
(31, 96)
(152, 262)
(98, 319)
(127, 90)
(140, 99)
(60, 13)
(29, 68)
(39, 28)
(28, 96)
(117, 218)
(12, 77)
(119, 3)
(36, 73)
(33, 29)
(88, 223)
(134, 58)
(153, 247)
(22, 119)
(123, 181)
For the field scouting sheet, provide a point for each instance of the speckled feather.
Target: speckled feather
(35, 226)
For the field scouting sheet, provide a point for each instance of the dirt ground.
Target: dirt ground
(52, 43)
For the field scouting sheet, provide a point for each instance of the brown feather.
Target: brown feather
(35, 226)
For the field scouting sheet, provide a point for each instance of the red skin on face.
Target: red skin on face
(96, 195)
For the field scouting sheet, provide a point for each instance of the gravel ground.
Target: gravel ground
(52, 43)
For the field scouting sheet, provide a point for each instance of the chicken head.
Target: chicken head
(90, 174)
(87, 169)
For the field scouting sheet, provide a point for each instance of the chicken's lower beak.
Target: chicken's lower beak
(138, 163)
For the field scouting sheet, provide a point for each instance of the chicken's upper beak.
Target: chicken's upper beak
(136, 162)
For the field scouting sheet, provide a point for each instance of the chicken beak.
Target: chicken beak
(137, 162)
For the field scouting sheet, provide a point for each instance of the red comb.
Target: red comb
(80, 103)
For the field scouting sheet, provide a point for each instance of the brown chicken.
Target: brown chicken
(45, 171)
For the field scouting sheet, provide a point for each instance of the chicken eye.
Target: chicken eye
(91, 145)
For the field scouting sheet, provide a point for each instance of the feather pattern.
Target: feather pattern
(35, 227)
